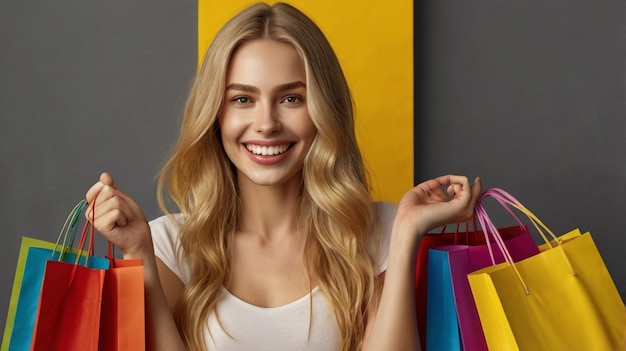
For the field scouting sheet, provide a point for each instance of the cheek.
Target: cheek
(229, 129)
(229, 138)
(307, 129)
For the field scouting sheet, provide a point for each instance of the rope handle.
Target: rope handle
(457, 227)
(494, 192)
(89, 227)
(66, 236)
(508, 201)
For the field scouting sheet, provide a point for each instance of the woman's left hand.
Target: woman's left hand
(428, 205)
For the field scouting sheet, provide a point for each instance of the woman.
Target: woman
(277, 245)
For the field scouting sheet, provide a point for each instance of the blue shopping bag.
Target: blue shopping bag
(29, 273)
(452, 321)
(442, 324)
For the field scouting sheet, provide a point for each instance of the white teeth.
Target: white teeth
(267, 150)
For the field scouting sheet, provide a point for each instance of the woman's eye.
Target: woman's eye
(291, 99)
(241, 99)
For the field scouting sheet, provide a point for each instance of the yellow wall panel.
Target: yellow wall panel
(374, 43)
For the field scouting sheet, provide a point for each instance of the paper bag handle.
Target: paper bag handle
(506, 200)
(66, 237)
(458, 226)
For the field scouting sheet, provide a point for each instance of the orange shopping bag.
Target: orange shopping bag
(122, 323)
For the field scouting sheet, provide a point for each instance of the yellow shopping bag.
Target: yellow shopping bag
(560, 299)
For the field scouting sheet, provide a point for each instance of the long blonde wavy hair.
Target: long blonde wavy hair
(335, 205)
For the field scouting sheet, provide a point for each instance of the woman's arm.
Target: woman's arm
(392, 324)
(121, 221)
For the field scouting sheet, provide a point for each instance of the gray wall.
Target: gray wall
(528, 95)
(85, 87)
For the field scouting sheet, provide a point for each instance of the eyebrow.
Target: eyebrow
(253, 89)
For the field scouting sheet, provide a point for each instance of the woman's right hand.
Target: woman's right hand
(119, 218)
(121, 221)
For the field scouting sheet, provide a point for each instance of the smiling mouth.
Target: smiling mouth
(267, 150)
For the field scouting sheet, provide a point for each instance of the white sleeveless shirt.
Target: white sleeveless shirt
(258, 328)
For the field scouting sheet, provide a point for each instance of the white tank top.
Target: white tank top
(249, 327)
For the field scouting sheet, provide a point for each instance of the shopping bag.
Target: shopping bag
(560, 299)
(442, 324)
(122, 322)
(68, 317)
(68, 314)
(431, 240)
(452, 318)
(81, 308)
(26, 288)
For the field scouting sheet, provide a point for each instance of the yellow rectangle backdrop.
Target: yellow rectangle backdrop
(374, 43)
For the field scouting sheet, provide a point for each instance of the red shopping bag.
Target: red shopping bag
(68, 315)
(122, 323)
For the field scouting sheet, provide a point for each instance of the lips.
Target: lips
(265, 150)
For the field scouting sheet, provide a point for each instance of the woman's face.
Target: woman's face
(264, 121)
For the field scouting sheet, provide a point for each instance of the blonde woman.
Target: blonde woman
(274, 242)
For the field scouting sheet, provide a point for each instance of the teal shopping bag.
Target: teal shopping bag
(452, 319)
(29, 273)
(442, 324)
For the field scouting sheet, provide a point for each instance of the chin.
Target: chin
(268, 180)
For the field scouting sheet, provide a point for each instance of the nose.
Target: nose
(266, 120)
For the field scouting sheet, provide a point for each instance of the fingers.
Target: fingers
(453, 179)
(107, 199)
(460, 189)
(109, 207)
(456, 185)
(105, 179)
(454, 189)
(93, 192)
(432, 188)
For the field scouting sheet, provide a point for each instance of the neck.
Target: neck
(269, 211)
